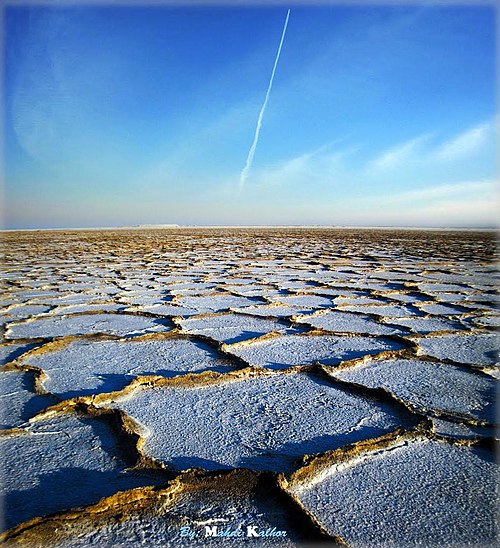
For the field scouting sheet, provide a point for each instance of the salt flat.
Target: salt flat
(282, 351)
(429, 385)
(261, 423)
(79, 324)
(420, 492)
(269, 362)
(90, 367)
(60, 464)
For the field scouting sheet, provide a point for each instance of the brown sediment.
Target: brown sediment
(404, 354)
(266, 337)
(14, 432)
(147, 503)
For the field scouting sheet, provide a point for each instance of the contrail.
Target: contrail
(251, 152)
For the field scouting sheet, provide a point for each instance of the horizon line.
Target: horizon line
(171, 226)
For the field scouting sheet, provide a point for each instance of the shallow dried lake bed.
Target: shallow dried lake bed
(266, 386)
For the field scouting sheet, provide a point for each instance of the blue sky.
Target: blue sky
(123, 115)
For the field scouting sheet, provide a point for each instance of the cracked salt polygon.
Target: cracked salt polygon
(31, 294)
(79, 308)
(460, 431)
(425, 325)
(105, 290)
(260, 264)
(358, 284)
(279, 277)
(271, 279)
(137, 299)
(488, 276)
(233, 280)
(480, 307)
(216, 302)
(139, 291)
(443, 309)
(9, 352)
(308, 301)
(453, 298)
(474, 349)
(139, 286)
(445, 288)
(190, 292)
(24, 311)
(349, 322)
(231, 328)
(389, 310)
(339, 301)
(202, 287)
(327, 276)
(65, 287)
(173, 278)
(90, 367)
(485, 286)
(333, 292)
(272, 310)
(261, 423)
(393, 276)
(18, 400)
(297, 285)
(428, 385)
(484, 297)
(422, 493)
(286, 274)
(169, 310)
(452, 277)
(74, 324)
(284, 351)
(488, 321)
(406, 297)
(66, 462)
(89, 278)
(254, 291)
(78, 298)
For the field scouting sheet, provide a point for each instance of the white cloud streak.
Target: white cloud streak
(399, 154)
(464, 144)
(251, 152)
(447, 191)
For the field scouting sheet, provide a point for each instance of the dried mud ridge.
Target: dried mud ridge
(246, 292)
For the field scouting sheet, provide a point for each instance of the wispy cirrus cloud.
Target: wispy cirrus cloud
(420, 161)
(464, 144)
(324, 164)
(424, 150)
(422, 181)
(400, 154)
(447, 191)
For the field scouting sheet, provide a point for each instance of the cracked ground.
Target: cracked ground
(333, 386)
